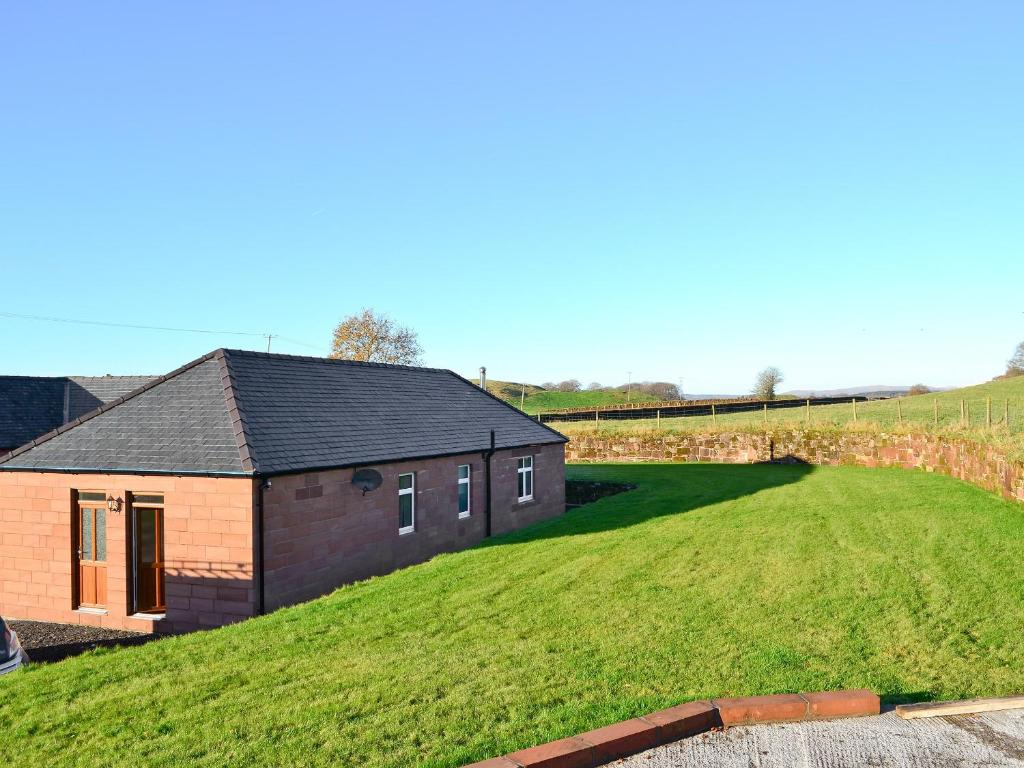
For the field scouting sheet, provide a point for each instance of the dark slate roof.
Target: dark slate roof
(308, 412)
(249, 412)
(29, 407)
(87, 393)
(177, 424)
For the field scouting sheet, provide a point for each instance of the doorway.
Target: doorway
(91, 550)
(148, 536)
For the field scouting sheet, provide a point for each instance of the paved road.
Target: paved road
(964, 741)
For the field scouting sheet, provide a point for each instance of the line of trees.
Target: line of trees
(655, 390)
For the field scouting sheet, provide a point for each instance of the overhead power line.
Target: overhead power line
(134, 326)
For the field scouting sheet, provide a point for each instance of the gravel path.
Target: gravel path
(963, 741)
(47, 641)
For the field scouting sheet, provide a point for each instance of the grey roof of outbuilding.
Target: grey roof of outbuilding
(87, 393)
(238, 412)
(31, 406)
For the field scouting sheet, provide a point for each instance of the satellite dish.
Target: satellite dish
(367, 480)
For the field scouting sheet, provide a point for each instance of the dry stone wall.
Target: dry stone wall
(981, 465)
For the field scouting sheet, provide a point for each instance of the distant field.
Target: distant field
(538, 399)
(919, 414)
(549, 401)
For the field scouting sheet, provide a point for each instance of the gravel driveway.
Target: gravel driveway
(963, 741)
(46, 641)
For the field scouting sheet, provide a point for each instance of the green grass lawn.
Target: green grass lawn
(876, 415)
(707, 580)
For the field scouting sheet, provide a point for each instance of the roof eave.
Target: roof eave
(399, 460)
(126, 471)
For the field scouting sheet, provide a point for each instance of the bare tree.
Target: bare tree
(918, 389)
(1015, 365)
(767, 382)
(375, 338)
(571, 385)
(659, 390)
(594, 386)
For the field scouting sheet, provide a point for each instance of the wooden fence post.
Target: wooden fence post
(765, 413)
(854, 401)
(808, 419)
(899, 410)
(963, 413)
(597, 413)
(714, 417)
(988, 413)
(659, 418)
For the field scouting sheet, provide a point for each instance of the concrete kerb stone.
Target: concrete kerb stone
(612, 742)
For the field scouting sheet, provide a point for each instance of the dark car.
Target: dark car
(12, 655)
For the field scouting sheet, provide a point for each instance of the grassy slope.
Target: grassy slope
(548, 401)
(510, 391)
(706, 580)
(918, 414)
(538, 399)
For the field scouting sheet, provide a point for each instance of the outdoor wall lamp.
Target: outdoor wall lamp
(114, 505)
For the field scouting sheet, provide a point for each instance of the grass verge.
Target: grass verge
(707, 580)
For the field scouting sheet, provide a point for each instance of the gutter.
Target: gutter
(6, 467)
(487, 504)
(261, 605)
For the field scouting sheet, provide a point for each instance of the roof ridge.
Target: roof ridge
(329, 360)
(74, 376)
(34, 378)
(236, 412)
(103, 408)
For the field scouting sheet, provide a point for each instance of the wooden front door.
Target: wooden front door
(149, 560)
(92, 555)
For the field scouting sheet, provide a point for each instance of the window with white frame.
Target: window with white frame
(525, 475)
(407, 503)
(464, 490)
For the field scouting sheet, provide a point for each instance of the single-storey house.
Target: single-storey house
(246, 481)
(31, 406)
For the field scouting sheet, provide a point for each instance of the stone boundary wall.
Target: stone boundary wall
(980, 465)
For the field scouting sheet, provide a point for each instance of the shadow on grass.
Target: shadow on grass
(661, 489)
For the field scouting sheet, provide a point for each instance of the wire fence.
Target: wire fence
(997, 414)
(683, 408)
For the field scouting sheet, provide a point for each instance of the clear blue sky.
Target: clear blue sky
(571, 189)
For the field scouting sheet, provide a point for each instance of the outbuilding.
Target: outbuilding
(245, 481)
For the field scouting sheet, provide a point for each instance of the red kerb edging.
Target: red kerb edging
(603, 745)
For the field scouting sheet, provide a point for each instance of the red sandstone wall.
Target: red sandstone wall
(208, 549)
(321, 532)
(971, 462)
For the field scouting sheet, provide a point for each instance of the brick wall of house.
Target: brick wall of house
(321, 532)
(208, 551)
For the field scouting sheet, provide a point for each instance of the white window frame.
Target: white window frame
(411, 492)
(465, 481)
(524, 466)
